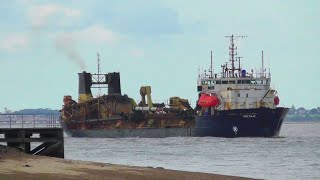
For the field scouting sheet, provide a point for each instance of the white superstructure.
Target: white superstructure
(236, 88)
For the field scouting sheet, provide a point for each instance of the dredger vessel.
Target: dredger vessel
(115, 115)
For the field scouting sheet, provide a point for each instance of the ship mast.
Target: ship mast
(233, 52)
(211, 69)
(263, 75)
(239, 65)
(99, 69)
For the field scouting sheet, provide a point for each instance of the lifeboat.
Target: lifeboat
(276, 100)
(207, 100)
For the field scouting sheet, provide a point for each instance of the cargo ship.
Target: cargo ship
(237, 103)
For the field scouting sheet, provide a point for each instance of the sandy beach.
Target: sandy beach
(15, 164)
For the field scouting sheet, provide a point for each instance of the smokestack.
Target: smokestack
(85, 83)
(114, 87)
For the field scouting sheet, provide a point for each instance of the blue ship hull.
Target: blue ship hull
(261, 122)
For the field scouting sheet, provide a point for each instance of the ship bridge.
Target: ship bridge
(235, 87)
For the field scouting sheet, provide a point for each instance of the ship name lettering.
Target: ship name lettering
(249, 116)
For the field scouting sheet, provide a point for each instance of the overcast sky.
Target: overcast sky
(161, 43)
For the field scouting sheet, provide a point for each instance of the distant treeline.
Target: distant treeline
(32, 111)
(302, 114)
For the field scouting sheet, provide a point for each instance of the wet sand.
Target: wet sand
(15, 164)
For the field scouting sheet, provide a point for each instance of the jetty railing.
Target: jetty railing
(30, 121)
(20, 130)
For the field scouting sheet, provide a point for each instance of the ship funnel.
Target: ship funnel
(85, 83)
(114, 87)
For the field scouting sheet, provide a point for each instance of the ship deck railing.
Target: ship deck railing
(207, 76)
(29, 121)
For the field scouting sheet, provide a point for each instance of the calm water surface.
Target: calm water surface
(295, 155)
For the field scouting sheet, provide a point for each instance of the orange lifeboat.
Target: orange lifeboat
(207, 100)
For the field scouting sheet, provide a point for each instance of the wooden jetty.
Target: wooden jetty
(43, 131)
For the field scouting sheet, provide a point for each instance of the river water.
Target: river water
(294, 155)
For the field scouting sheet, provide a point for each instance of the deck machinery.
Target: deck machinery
(117, 115)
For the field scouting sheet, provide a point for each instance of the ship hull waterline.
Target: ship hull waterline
(132, 133)
(261, 122)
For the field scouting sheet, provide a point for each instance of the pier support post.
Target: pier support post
(51, 138)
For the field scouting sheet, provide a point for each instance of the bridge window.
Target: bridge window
(211, 87)
(224, 82)
(253, 82)
(207, 82)
(239, 82)
(232, 82)
(218, 82)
